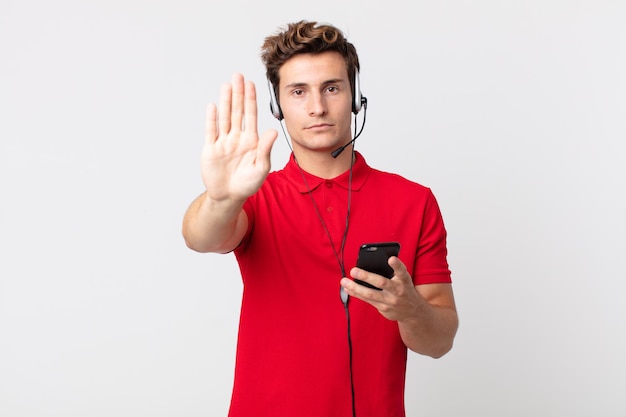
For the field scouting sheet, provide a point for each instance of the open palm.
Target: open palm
(235, 159)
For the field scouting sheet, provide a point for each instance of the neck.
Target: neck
(322, 164)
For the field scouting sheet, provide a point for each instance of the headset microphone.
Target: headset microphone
(338, 151)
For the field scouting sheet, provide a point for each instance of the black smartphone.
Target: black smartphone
(373, 257)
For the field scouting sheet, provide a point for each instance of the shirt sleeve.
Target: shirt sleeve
(431, 264)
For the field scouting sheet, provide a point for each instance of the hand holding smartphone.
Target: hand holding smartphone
(373, 257)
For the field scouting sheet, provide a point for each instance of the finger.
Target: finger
(352, 288)
(265, 144)
(250, 107)
(238, 97)
(361, 292)
(210, 130)
(399, 269)
(369, 277)
(224, 109)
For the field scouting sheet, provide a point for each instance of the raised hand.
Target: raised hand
(235, 160)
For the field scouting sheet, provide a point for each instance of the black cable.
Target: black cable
(345, 305)
(340, 259)
(319, 216)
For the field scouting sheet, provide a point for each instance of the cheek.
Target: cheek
(292, 114)
(344, 122)
(292, 129)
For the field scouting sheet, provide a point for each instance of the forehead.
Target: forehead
(313, 69)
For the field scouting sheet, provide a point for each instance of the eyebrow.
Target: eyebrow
(332, 81)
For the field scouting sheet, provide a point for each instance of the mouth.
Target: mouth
(319, 126)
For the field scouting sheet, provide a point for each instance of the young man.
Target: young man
(312, 341)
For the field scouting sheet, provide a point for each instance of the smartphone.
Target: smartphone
(373, 257)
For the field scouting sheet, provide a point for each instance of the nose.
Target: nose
(316, 105)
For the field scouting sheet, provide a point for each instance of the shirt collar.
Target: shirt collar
(295, 175)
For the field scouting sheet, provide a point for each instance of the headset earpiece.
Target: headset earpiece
(357, 99)
(274, 106)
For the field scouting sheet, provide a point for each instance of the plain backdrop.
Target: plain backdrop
(513, 112)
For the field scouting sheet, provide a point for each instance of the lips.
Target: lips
(319, 126)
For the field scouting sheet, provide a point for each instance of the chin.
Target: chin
(319, 144)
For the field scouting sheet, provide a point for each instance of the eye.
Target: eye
(297, 92)
(332, 89)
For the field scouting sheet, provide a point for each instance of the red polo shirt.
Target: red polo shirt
(292, 353)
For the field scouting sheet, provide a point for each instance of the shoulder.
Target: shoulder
(398, 182)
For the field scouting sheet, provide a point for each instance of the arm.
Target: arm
(235, 162)
(432, 330)
(426, 314)
(214, 226)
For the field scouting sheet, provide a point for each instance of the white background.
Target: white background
(513, 112)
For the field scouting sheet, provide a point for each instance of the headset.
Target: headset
(358, 101)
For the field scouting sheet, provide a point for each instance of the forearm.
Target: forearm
(214, 226)
(431, 330)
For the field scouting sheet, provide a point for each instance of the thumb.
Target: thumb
(266, 141)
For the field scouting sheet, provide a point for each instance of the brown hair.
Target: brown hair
(306, 38)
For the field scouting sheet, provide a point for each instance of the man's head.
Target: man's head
(307, 38)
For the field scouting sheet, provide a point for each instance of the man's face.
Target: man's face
(316, 101)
